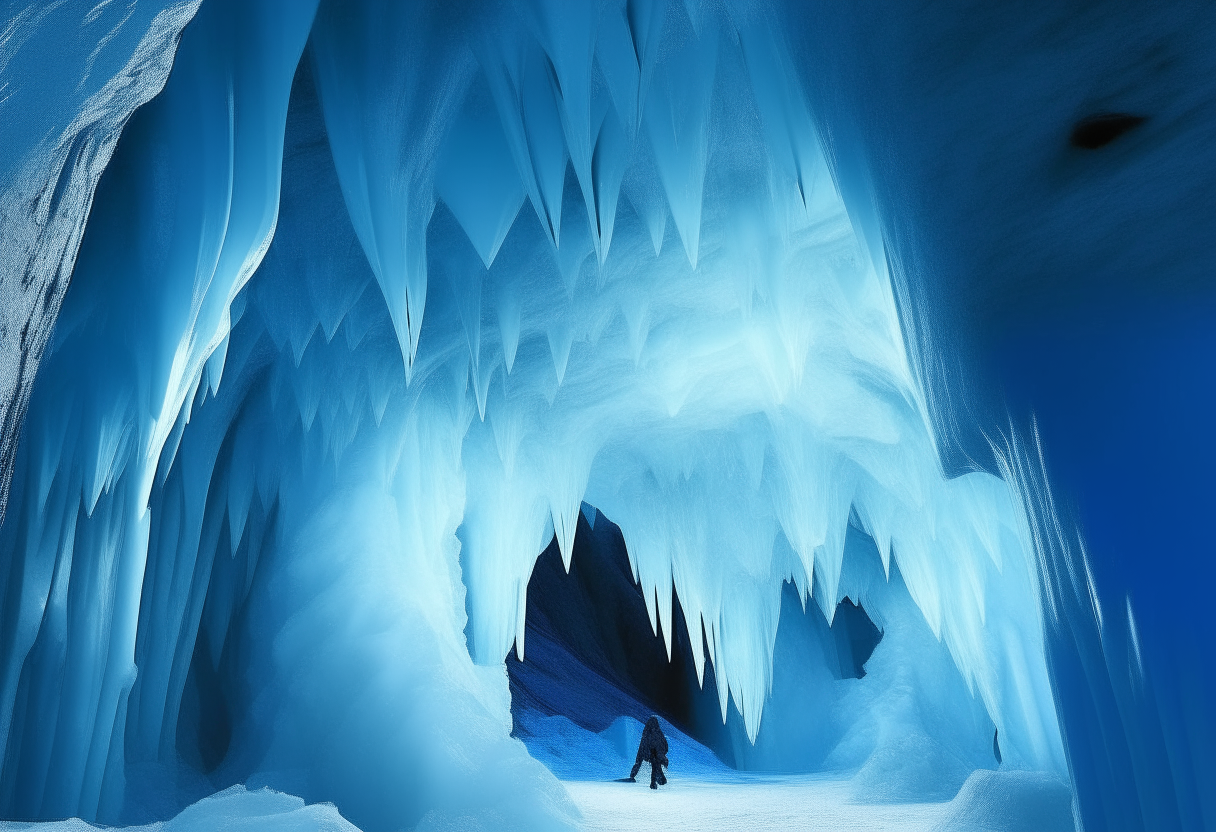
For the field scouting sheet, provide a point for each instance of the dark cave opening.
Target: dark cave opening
(592, 656)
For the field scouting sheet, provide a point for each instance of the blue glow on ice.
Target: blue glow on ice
(376, 298)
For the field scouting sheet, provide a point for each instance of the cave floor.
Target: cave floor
(758, 803)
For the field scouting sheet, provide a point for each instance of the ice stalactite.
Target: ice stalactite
(389, 76)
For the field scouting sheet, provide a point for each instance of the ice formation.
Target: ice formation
(1059, 310)
(92, 70)
(375, 299)
(874, 696)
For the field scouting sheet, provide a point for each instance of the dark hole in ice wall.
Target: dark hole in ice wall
(204, 725)
(1093, 132)
(856, 637)
(591, 655)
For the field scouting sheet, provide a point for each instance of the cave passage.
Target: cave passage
(595, 664)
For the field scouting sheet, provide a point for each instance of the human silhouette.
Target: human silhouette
(652, 749)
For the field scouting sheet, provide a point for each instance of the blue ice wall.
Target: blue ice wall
(182, 219)
(908, 729)
(1059, 307)
(72, 76)
(335, 598)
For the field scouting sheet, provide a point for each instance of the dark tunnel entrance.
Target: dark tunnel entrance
(594, 664)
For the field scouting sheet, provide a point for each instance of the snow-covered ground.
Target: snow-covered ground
(1009, 801)
(893, 791)
(772, 802)
(232, 810)
(995, 801)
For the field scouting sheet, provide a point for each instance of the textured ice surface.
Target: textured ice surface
(704, 802)
(70, 77)
(1011, 801)
(127, 355)
(282, 523)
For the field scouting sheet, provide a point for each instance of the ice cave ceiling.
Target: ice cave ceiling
(321, 321)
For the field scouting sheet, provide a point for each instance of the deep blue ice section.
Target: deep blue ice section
(192, 191)
(1059, 300)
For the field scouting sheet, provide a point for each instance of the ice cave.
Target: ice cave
(402, 401)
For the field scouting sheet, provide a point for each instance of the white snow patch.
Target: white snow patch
(232, 810)
(990, 801)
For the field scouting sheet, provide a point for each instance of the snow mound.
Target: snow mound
(233, 810)
(1011, 801)
(910, 767)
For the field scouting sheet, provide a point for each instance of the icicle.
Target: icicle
(677, 122)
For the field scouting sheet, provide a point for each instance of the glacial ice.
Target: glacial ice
(1059, 310)
(374, 301)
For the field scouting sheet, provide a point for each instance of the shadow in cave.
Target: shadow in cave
(594, 667)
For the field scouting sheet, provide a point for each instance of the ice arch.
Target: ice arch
(604, 257)
(846, 698)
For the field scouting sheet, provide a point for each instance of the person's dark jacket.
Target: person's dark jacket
(652, 749)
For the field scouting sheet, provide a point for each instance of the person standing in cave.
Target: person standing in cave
(652, 749)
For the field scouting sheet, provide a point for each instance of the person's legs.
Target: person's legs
(637, 764)
(656, 770)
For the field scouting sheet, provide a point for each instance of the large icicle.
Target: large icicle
(389, 75)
